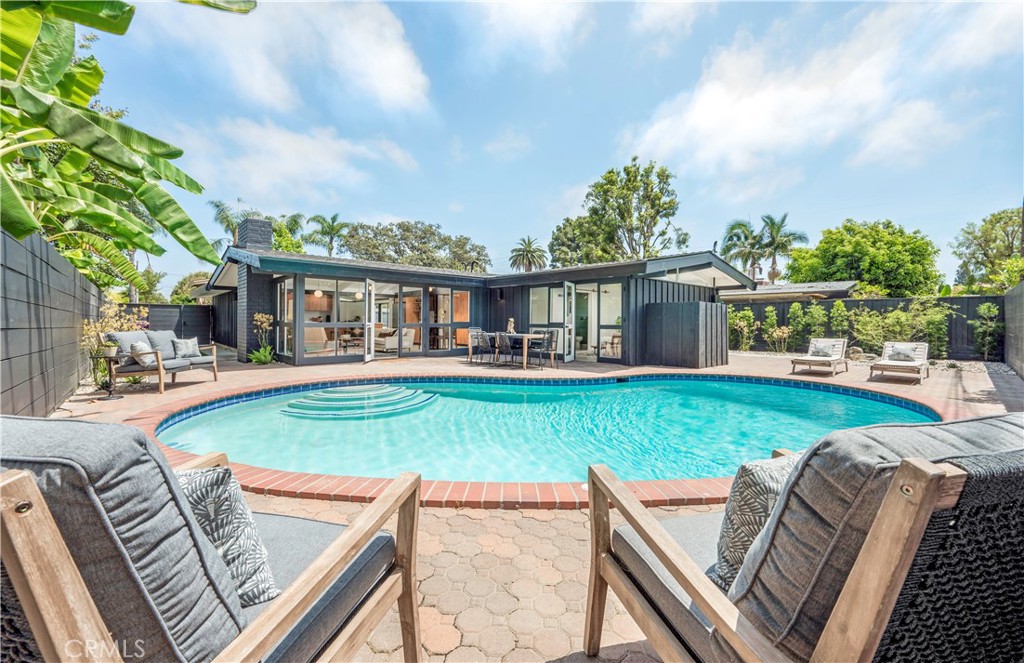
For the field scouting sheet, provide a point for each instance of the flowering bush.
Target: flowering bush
(263, 323)
(114, 317)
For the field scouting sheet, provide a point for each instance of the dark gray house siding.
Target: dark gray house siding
(641, 292)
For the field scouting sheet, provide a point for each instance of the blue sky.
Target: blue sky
(492, 119)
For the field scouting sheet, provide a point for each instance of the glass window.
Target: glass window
(351, 302)
(460, 306)
(318, 301)
(412, 317)
(440, 338)
(611, 304)
(557, 305)
(538, 306)
(611, 343)
(285, 300)
(440, 305)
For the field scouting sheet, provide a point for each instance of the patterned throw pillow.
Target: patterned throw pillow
(147, 360)
(821, 349)
(186, 347)
(901, 352)
(754, 491)
(216, 501)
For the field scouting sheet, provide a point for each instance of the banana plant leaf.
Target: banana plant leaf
(81, 82)
(109, 252)
(107, 15)
(237, 6)
(19, 34)
(71, 168)
(16, 219)
(166, 211)
(165, 170)
(50, 55)
(140, 142)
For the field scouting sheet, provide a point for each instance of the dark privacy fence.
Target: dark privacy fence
(225, 319)
(44, 301)
(961, 334)
(186, 321)
(686, 334)
(1015, 328)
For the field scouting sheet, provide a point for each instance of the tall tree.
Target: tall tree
(47, 96)
(414, 243)
(150, 293)
(983, 247)
(777, 241)
(744, 245)
(528, 255)
(182, 291)
(283, 240)
(293, 223)
(629, 217)
(229, 218)
(328, 234)
(882, 254)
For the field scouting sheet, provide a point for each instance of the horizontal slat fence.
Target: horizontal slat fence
(186, 321)
(961, 334)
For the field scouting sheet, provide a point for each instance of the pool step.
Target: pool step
(358, 402)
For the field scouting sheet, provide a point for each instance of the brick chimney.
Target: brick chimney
(255, 233)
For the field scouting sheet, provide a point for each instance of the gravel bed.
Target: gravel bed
(990, 367)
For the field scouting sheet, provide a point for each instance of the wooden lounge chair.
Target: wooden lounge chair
(162, 343)
(918, 366)
(107, 561)
(837, 355)
(871, 552)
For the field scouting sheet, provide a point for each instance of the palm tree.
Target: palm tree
(326, 233)
(293, 223)
(777, 241)
(528, 255)
(743, 245)
(228, 219)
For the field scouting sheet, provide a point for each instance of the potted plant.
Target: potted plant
(109, 349)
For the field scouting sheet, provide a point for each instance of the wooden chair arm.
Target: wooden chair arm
(212, 347)
(281, 616)
(212, 459)
(748, 642)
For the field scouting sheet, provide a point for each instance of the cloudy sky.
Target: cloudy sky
(492, 119)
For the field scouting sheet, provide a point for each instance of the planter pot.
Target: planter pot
(108, 352)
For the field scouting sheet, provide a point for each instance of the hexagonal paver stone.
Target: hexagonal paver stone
(501, 603)
(459, 572)
(452, 603)
(497, 640)
(549, 605)
(551, 642)
(525, 621)
(570, 590)
(572, 623)
(480, 586)
(547, 551)
(387, 637)
(441, 638)
(626, 627)
(467, 549)
(526, 562)
(567, 564)
(505, 573)
(435, 584)
(526, 588)
(506, 549)
(443, 560)
(547, 575)
(466, 655)
(522, 655)
(473, 619)
(484, 560)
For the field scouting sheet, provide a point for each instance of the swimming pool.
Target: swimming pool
(649, 428)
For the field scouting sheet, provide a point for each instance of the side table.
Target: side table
(111, 396)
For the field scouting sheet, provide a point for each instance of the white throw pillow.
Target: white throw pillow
(146, 360)
(186, 347)
(821, 349)
(216, 501)
(901, 352)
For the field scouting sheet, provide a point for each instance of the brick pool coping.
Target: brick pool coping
(473, 494)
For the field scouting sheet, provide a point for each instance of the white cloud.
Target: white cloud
(568, 202)
(457, 151)
(509, 144)
(360, 47)
(272, 166)
(666, 23)
(540, 33)
(455, 207)
(760, 105)
(989, 31)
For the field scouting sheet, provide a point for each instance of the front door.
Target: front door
(370, 318)
(569, 297)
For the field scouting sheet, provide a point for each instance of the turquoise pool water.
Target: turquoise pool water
(657, 429)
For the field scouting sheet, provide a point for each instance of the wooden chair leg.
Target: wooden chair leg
(174, 378)
(597, 587)
(215, 377)
(160, 382)
(405, 558)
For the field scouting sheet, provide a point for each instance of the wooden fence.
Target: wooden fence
(686, 334)
(1015, 328)
(961, 334)
(186, 321)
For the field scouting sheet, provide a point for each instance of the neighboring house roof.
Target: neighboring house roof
(701, 268)
(783, 291)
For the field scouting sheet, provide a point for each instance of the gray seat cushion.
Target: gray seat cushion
(124, 342)
(793, 574)
(292, 544)
(205, 361)
(175, 365)
(153, 575)
(163, 342)
(698, 536)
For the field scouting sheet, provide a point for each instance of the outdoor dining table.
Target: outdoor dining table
(526, 338)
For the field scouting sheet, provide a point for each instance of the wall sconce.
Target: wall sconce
(501, 294)
(359, 296)
(318, 293)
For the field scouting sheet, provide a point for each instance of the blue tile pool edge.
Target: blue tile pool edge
(256, 394)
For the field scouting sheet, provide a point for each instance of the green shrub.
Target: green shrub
(742, 327)
(775, 337)
(815, 318)
(796, 325)
(988, 331)
(839, 319)
(924, 319)
(265, 355)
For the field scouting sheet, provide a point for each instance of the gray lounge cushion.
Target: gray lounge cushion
(292, 544)
(124, 342)
(204, 360)
(162, 342)
(152, 573)
(143, 355)
(751, 499)
(217, 503)
(698, 536)
(793, 573)
(901, 352)
(186, 348)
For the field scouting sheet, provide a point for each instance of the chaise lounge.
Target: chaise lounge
(897, 542)
(825, 353)
(904, 358)
(102, 550)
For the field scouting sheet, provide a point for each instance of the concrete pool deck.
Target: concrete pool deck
(510, 585)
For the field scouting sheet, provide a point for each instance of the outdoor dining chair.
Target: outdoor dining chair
(503, 347)
(886, 543)
(546, 348)
(103, 559)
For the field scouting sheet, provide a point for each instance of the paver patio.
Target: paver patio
(511, 585)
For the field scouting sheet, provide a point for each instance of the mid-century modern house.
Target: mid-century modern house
(332, 310)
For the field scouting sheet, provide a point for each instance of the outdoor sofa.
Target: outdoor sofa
(891, 543)
(825, 353)
(162, 344)
(102, 550)
(905, 358)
